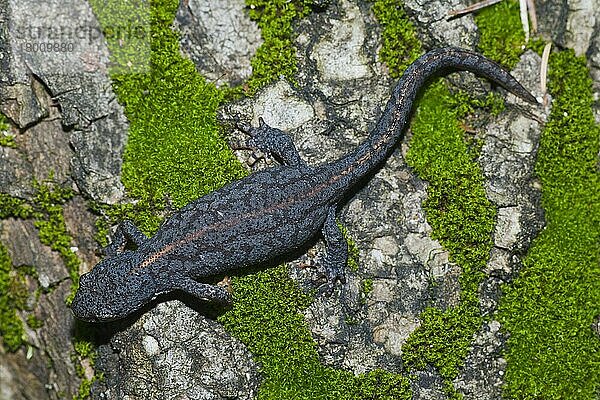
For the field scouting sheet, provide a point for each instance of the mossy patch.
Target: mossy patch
(11, 326)
(49, 219)
(4, 125)
(14, 207)
(353, 252)
(174, 148)
(46, 210)
(266, 316)
(34, 322)
(276, 57)
(399, 43)
(502, 38)
(466, 105)
(84, 357)
(366, 287)
(552, 352)
(461, 216)
(14, 300)
(47, 213)
(85, 389)
(12, 285)
(462, 219)
(6, 139)
(456, 203)
(144, 214)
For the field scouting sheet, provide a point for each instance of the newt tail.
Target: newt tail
(391, 125)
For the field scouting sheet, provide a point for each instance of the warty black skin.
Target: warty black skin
(263, 216)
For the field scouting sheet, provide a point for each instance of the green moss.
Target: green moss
(145, 215)
(4, 125)
(380, 385)
(13, 288)
(353, 253)
(7, 141)
(475, 112)
(13, 291)
(502, 38)
(552, 352)
(465, 104)
(84, 356)
(174, 147)
(14, 297)
(84, 348)
(443, 341)
(277, 55)
(537, 44)
(266, 317)
(367, 286)
(11, 326)
(46, 209)
(85, 388)
(34, 322)
(399, 43)
(48, 205)
(460, 215)
(462, 220)
(14, 207)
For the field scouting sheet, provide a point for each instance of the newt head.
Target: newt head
(110, 291)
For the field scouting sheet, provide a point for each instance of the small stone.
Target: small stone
(338, 55)
(281, 108)
(151, 345)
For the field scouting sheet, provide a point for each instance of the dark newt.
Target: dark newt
(264, 216)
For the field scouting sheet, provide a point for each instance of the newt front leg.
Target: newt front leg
(126, 233)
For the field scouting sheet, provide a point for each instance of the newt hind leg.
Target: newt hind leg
(203, 291)
(336, 257)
